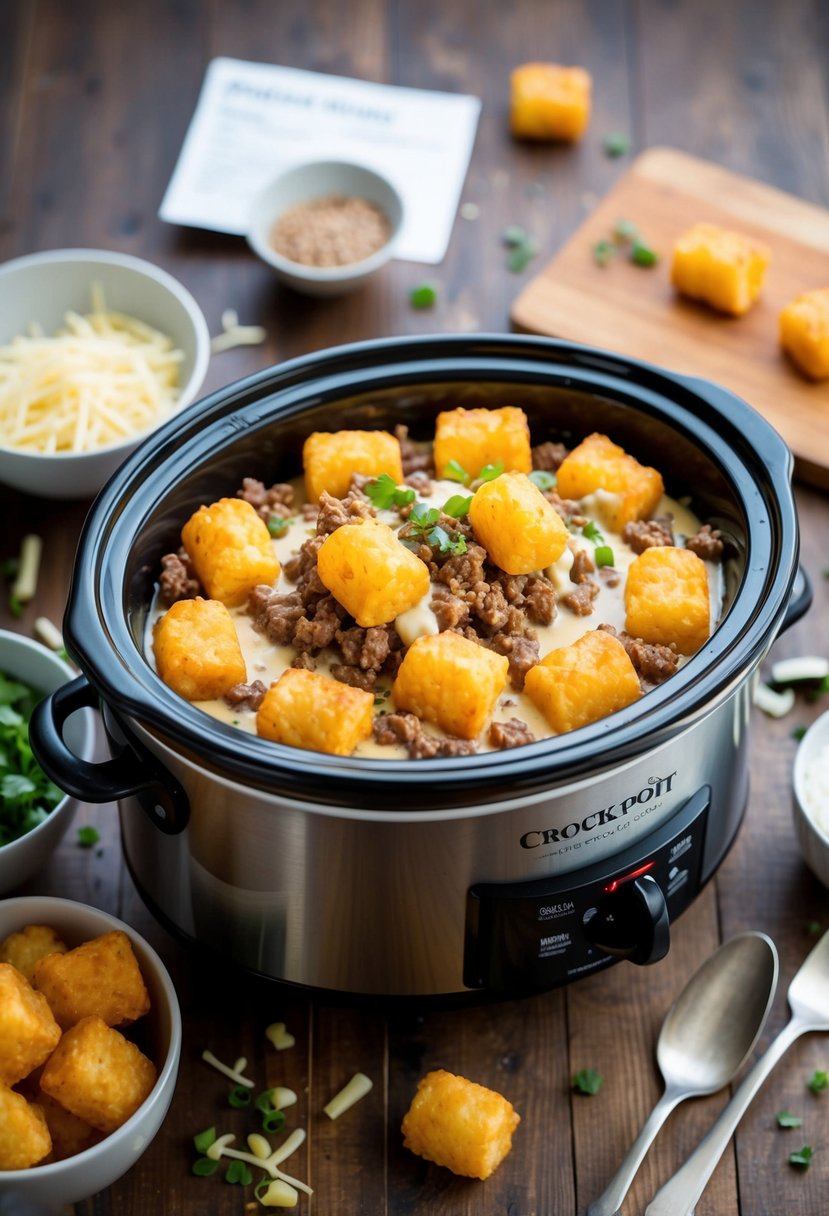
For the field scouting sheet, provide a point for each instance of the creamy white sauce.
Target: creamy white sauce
(266, 661)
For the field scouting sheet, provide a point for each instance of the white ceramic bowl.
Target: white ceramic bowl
(42, 288)
(33, 664)
(811, 811)
(77, 1178)
(316, 180)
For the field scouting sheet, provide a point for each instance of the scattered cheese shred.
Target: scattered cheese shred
(235, 1073)
(775, 704)
(357, 1088)
(279, 1036)
(48, 633)
(235, 334)
(101, 379)
(25, 584)
(279, 1195)
(270, 1163)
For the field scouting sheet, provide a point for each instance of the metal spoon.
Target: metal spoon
(809, 1002)
(705, 1037)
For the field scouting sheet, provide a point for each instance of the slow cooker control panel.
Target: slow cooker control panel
(546, 932)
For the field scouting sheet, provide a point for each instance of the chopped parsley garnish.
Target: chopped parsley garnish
(277, 526)
(812, 927)
(422, 526)
(803, 1157)
(384, 493)
(490, 471)
(456, 472)
(457, 506)
(625, 236)
(625, 231)
(587, 1081)
(423, 296)
(543, 479)
(87, 837)
(798, 733)
(616, 143)
(603, 251)
(785, 1118)
(591, 532)
(818, 1081)
(522, 247)
(26, 793)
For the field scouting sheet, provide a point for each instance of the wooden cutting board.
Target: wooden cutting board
(635, 311)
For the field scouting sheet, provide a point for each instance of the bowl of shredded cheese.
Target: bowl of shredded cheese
(96, 350)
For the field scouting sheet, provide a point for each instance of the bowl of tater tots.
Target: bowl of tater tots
(90, 1040)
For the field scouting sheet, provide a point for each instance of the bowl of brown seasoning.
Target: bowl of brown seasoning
(326, 226)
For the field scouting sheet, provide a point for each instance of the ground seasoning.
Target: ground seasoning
(330, 231)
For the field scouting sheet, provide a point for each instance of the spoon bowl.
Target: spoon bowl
(706, 1036)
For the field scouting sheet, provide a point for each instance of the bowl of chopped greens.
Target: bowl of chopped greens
(34, 812)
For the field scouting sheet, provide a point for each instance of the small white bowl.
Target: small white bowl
(811, 814)
(40, 668)
(317, 180)
(42, 288)
(89, 1172)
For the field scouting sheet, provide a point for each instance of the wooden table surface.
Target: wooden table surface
(94, 102)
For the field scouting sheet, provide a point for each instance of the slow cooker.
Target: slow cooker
(502, 872)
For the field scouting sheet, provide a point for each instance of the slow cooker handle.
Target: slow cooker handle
(800, 600)
(124, 776)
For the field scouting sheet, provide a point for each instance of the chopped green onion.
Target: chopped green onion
(587, 1081)
(803, 1157)
(543, 479)
(384, 493)
(786, 1119)
(273, 1121)
(87, 837)
(457, 506)
(239, 1097)
(277, 526)
(603, 251)
(798, 733)
(490, 471)
(204, 1139)
(264, 1101)
(604, 556)
(423, 296)
(642, 254)
(237, 1171)
(591, 532)
(456, 472)
(204, 1167)
(520, 257)
(513, 235)
(813, 927)
(818, 1081)
(616, 143)
(625, 231)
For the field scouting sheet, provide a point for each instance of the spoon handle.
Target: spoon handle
(613, 1196)
(679, 1195)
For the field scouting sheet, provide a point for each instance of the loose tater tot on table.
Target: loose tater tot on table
(459, 1124)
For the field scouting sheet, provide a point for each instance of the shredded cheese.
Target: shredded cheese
(48, 633)
(279, 1036)
(25, 584)
(234, 334)
(221, 1148)
(101, 379)
(235, 1073)
(357, 1088)
(279, 1195)
(775, 704)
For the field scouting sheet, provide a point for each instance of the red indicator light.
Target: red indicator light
(617, 882)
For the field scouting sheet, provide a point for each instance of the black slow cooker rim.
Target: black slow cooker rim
(748, 451)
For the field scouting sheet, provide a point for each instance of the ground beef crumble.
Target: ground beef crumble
(278, 500)
(548, 456)
(580, 600)
(415, 458)
(407, 729)
(245, 696)
(177, 580)
(652, 663)
(513, 733)
(707, 543)
(642, 534)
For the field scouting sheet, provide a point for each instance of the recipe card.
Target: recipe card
(254, 119)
